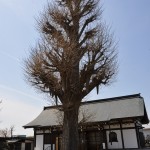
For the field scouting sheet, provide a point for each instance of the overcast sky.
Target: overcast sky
(130, 21)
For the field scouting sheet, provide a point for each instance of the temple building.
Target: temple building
(112, 123)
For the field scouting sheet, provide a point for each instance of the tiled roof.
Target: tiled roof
(130, 106)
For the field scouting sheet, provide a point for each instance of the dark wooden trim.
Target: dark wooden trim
(122, 137)
(39, 133)
(43, 139)
(109, 131)
(34, 142)
(105, 136)
(137, 136)
(90, 129)
(120, 128)
(88, 125)
(96, 128)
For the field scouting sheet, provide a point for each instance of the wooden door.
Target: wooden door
(94, 140)
(27, 146)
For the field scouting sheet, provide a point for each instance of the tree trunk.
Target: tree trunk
(70, 140)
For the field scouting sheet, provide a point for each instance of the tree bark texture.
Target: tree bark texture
(70, 140)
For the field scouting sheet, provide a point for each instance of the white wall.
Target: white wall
(130, 139)
(112, 126)
(39, 142)
(114, 145)
(23, 146)
(39, 131)
(126, 125)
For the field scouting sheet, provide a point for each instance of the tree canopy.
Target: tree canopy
(76, 51)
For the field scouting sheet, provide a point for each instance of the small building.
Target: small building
(17, 143)
(112, 123)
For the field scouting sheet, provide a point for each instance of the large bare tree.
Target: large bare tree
(75, 54)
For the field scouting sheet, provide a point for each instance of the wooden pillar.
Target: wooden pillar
(105, 137)
(34, 142)
(56, 143)
(122, 139)
(137, 135)
(43, 137)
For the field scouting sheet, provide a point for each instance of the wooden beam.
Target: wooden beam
(122, 138)
(137, 135)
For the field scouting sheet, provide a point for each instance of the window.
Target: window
(113, 137)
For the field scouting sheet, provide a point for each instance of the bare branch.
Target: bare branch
(76, 52)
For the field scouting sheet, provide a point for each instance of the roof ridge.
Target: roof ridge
(101, 100)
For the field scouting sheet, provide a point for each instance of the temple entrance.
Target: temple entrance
(51, 141)
(91, 140)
